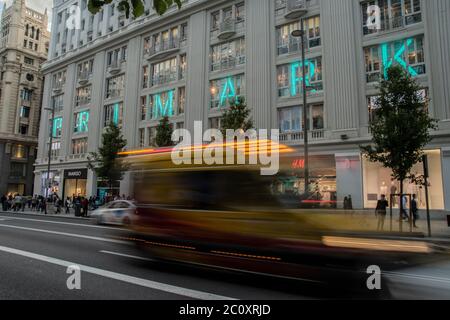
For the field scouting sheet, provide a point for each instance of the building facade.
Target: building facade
(190, 63)
(24, 41)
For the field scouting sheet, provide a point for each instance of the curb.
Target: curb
(62, 215)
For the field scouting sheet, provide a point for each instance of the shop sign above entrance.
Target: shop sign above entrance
(75, 174)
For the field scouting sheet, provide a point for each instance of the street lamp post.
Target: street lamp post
(49, 155)
(301, 34)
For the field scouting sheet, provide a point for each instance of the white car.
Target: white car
(115, 213)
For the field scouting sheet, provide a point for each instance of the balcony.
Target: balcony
(58, 87)
(163, 49)
(227, 29)
(164, 78)
(228, 63)
(83, 77)
(297, 137)
(295, 9)
(115, 67)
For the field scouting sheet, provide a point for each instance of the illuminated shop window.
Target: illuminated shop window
(83, 95)
(407, 53)
(19, 151)
(79, 146)
(81, 122)
(224, 90)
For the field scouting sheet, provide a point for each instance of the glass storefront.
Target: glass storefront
(75, 182)
(378, 181)
(55, 177)
(322, 172)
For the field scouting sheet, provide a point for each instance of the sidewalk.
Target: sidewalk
(50, 213)
(365, 220)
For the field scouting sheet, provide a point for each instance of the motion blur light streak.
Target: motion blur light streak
(378, 245)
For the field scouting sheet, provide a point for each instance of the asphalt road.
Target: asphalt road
(36, 252)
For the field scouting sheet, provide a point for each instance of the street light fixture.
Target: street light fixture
(49, 154)
(301, 34)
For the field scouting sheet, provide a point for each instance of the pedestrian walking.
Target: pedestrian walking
(381, 212)
(403, 214)
(67, 205)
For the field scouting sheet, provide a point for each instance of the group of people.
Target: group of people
(21, 202)
(383, 204)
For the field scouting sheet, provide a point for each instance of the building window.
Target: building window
(81, 122)
(181, 100)
(183, 66)
(161, 105)
(290, 78)
(18, 170)
(57, 127)
(152, 137)
(395, 14)
(113, 114)
(26, 94)
(79, 146)
(58, 102)
(286, 43)
(291, 119)
(83, 95)
(145, 77)
(408, 53)
(215, 123)
(19, 151)
(115, 87)
(23, 129)
(85, 69)
(228, 55)
(165, 72)
(144, 108)
(223, 91)
(29, 61)
(142, 138)
(59, 79)
(25, 112)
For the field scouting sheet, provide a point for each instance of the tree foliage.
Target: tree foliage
(401, 125)
(135, 6)
(164, 133)
(237, 116)
(104, 162)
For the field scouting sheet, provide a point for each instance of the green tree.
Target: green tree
(104, 162)
(400, 127)
(236, 117)
(164, 133)
(136, 6)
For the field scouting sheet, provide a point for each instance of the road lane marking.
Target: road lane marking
(64, 234)
(59, 222)
(121, 277)
(417, 277)
(125, 255)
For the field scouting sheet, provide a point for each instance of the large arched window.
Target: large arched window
(26, 30)
(37, 34)
(32, 32)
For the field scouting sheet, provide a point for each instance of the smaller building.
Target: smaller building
(24, 42)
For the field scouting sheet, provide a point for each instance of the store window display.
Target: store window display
(378, 181)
